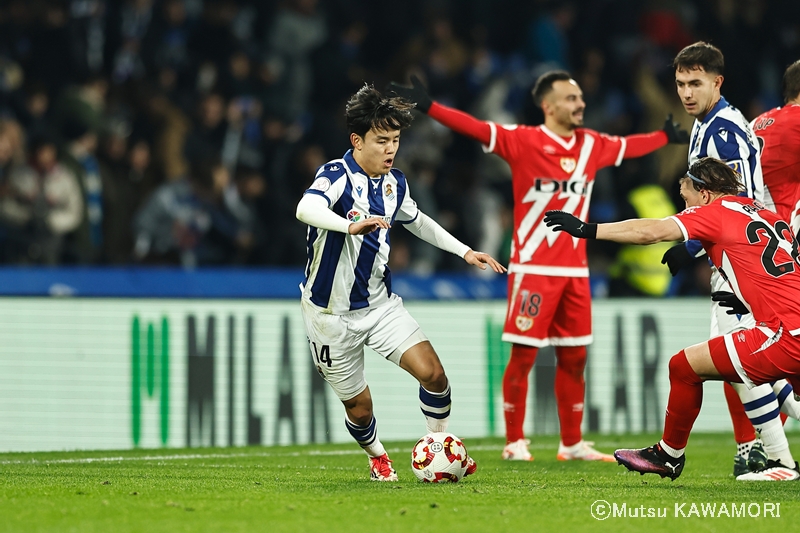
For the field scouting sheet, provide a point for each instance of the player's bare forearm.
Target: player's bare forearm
(640, 231)
(461, 122)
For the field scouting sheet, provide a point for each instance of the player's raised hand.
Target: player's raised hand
(416, 93)
(481, 259)
(675, 133)
(563, 221)
(367, 226)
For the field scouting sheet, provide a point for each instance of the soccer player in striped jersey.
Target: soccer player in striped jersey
(553, 166)
(347, 300)
(721, 131)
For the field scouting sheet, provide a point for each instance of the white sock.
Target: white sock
(672, 452)
(762, 408)
(743, 448)
(775, 443)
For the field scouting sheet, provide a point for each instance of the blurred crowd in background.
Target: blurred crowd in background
(183, 132)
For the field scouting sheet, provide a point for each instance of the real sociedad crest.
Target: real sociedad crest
(389, 193)
(568, 164)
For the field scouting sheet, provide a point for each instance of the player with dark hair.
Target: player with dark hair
(549, 303)
(757, 255)
(721, 131)
(347, 300)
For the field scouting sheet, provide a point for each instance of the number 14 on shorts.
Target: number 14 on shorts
(322, 355)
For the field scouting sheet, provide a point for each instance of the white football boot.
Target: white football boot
(517, 451)
(582, 451)
(774, 471)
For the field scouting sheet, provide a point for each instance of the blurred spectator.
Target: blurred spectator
(297, 30)
(185, 222)
(207, 135)
(128, 179)
(42, 205)
(84, 103)
(86, 244)
(128, 23)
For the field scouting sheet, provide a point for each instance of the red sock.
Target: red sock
(570, 390)
(685, 399)
(515, 389)
(743, 430)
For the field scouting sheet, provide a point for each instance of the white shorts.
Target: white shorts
(721, 322)
(337, 341)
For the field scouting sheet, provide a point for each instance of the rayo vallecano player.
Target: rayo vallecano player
(347, 300)
(721, 131)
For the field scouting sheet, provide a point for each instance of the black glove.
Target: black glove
(416, 93)
(728, 299)
(675, 134)
(563, 221)
(676, 258)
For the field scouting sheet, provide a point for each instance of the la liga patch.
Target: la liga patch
(321, 184)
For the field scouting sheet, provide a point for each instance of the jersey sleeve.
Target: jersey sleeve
(504, 140)
(699, 223)
(610, 148)
(729, 142)
(407, 210)
(329, 182)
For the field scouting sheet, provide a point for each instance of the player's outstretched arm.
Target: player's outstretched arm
(425, 228)
(634, 231)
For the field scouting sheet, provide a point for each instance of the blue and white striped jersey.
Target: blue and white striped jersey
(726, 135)
(349, 272)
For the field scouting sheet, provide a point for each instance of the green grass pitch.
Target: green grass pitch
(326, 488)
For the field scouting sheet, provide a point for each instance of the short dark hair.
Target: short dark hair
(369, 109)
(791, 82)
(700, 54)
(711, 174)
(545, 82)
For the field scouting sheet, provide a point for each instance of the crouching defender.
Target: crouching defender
(347, 300)
(757, 254)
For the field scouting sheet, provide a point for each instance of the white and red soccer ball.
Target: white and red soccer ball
(439, 458)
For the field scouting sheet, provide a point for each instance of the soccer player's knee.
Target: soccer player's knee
(679, 368)
(572, 360)
(435, 376)
(360, 415)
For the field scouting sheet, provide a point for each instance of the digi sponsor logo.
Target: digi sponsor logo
(552, 185)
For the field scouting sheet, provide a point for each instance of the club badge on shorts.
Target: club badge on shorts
(568, 164)
(524, 323)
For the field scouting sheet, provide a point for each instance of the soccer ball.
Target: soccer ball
(439, 458)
